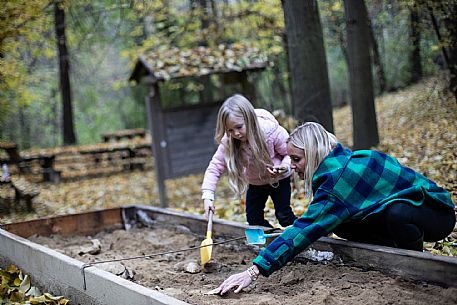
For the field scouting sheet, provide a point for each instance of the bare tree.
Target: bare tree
(307, 63)
(365, 130)
(377, 61)
(444, 19)
(69, 136)
(414, 36)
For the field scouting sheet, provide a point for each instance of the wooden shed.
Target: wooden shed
(186, 89)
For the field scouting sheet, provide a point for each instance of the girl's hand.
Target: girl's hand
(276, 170)
(239, 280)
(209, 205)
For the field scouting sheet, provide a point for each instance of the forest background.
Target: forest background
(57, 55)
(105, 37)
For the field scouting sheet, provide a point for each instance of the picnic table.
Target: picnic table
(25, 161)
(124, 134)
(12, 152)
(46, 162)
(127, 153)
(93, 159)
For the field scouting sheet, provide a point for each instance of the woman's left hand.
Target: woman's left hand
(239, 280)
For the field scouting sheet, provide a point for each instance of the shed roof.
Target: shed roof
(176, 63)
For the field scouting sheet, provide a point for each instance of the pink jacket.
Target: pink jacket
(276, 137)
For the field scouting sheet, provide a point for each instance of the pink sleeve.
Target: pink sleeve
(281, 145)
(215, 169)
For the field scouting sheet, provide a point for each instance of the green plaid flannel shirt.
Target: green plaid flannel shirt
(349, 187)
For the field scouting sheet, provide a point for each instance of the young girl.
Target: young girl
(252, 148)
(364, 196)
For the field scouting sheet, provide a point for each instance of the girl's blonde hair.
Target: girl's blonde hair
(316, 143)
(239, 107)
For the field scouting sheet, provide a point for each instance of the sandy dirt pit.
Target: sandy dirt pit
(297, 283)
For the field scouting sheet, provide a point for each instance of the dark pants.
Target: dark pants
(401, 225)
(256, 198)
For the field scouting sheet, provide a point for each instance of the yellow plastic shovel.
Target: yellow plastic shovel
(207, 244)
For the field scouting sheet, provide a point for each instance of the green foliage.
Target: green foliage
(105, 38)
(22, 26)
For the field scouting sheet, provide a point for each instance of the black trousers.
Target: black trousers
(256, 198)
(401, 225)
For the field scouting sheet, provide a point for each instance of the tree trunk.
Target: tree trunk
(365, 130)
(24, 128)
(64, 73)
(380, 74)
(205, 18)
(451, 25)
(308, 65)
(280, 89)
(215, 21)
(448, 15)
(414, 36)
(284, 86)
(439, 37)
(206, 94)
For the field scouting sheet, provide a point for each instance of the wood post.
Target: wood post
(159, 141)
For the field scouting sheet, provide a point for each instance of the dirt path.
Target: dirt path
(297, 283)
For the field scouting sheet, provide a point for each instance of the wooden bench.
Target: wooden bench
(120, 154)
(25, 162)
(14, 157)
(50, 174)
(124, 134)
(79, 161)
(46, 168)
(17, 191)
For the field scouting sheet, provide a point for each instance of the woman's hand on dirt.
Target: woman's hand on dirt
(209, 205)
(239, 280)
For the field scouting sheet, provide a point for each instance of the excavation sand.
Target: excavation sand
(297, 283)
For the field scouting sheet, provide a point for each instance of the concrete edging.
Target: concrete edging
(61, 275)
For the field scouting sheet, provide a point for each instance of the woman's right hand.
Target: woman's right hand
(209, 205)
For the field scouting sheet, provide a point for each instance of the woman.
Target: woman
(364, 196)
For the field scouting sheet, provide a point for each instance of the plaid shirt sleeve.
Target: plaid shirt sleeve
(324, 214)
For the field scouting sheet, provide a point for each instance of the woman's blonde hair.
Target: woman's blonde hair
(316, 143)
(239, 107)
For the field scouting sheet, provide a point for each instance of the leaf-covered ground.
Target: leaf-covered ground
(416, 125)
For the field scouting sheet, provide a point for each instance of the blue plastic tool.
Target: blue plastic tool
(256, 236)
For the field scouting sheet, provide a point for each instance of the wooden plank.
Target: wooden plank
(191, 119)
(201, 152)
(189, 154)
(159, 141)
(180, 134)
(200, 145)
(196, 115)
(420, 266)
(181, 165)
(180, 109)
(188, 169)
(84, 224)
(196, 223)
(7, 145)
(126, 132)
